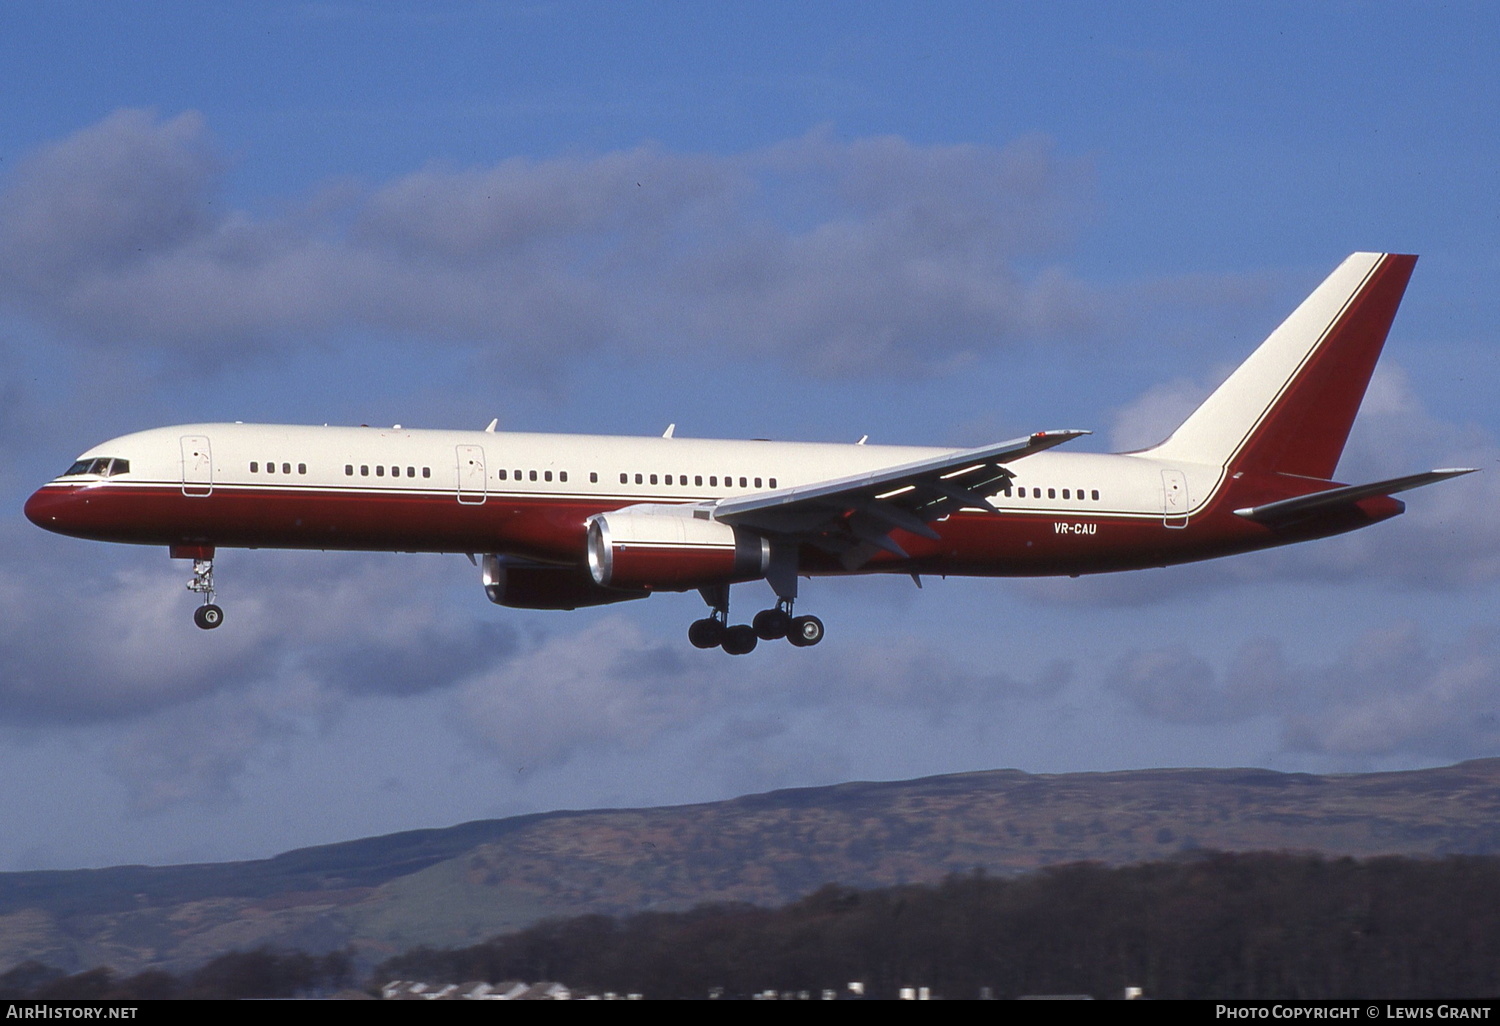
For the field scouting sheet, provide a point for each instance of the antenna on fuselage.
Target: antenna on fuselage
(668, 432)
(493, 423)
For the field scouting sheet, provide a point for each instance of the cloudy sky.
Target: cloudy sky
(932, 224)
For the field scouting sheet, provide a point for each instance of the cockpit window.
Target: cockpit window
(100, 466)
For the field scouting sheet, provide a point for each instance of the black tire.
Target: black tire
(806, 631)
(706, 633)
(771, 624)
(208, 617)
(740, 639)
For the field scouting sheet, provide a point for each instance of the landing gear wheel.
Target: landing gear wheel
(770, 624)
(739, 639)
(208, 616)
(806, 631)
(706, 633)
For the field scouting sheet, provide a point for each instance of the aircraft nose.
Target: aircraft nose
(48, 507)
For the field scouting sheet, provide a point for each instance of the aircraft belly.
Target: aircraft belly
(319, 519)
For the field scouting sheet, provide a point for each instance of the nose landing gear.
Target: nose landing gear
(207, 616)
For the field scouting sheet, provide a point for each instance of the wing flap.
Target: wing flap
(854, 516)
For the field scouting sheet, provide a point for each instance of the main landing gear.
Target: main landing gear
(714, 630)
(207, 616)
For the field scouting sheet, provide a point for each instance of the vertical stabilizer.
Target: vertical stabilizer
(1289, 407)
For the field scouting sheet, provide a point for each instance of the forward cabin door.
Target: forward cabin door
(197, 466)
(1174, 498)
(472, 479)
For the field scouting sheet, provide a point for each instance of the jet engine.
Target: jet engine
(671, 548)
(522, 585)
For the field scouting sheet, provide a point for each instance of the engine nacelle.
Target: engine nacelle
(671, 548)
(530, 586)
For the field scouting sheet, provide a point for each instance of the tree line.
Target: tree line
(1214, 926)
(262, 973)
(1210, 926)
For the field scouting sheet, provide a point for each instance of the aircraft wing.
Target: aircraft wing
(854, 516)
(1290, 509)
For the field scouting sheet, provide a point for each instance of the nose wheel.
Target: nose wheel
(207, 616)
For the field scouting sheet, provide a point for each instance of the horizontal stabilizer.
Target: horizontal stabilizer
(1286, 509)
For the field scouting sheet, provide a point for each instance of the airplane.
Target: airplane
(566, 521)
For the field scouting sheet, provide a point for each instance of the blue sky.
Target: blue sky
(934, 224)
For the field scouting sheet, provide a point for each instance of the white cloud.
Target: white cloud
(841, 257)
(1394, 692)
(608, 687)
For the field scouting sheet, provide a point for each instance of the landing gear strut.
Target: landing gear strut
(714, 631)
(802, 631)
(207, 616)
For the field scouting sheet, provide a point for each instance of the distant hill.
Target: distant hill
(461, 884)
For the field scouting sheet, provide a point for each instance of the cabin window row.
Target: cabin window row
(713, 480)
(380, 471)
(270, 467)
(1067, 493)
(545, 475)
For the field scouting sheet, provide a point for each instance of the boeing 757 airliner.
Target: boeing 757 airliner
(564, 521)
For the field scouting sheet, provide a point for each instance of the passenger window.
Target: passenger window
(254, 467)
(547, 475)
(757, 482)
(302, 468)
(624, 478)
(1096, 494)
(348, 470)
(653, 479)
(502, 474)
(637, 479)
(698, 480)
(743, 484)
(411, 471)
(286, 468)
(713, 480)
(380, 471)
(593, 477)
(364, 471)
(1065, 494)
(532, 475)
(773, 482)
(562, 475)
(426, 471)
(1051, 493)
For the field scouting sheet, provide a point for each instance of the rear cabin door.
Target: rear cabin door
(197, 466)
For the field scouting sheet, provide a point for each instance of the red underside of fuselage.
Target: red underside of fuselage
(553, 529)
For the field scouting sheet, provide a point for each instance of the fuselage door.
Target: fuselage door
(471, 475)
(1174, 498)
(197, 466)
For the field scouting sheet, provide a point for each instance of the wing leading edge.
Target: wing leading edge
(854, 516)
